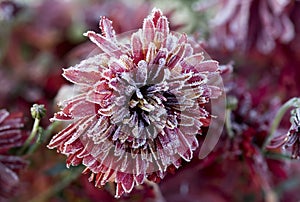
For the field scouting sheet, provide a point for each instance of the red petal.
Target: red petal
(14, 163)
(73, 160)
(128, 183)
(156, 14)
(119, 190)
(10, 138)
(139, 179)
(72, 148)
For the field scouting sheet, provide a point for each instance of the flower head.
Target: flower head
(252, 24)
(140, 104)
(292, 140)
(11, 136)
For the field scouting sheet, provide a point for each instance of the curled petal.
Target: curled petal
(105, 44)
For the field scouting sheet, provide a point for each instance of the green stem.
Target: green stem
(31, 136)
(293, 102)
(43, 137)
(49, 130)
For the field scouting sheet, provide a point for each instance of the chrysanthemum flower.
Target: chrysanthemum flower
(140, 104)
(292, 140)
(11, 136)
(258, 24)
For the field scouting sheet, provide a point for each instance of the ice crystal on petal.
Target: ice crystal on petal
(139, 107)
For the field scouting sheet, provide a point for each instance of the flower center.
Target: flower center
(142, 104)
(146, 103)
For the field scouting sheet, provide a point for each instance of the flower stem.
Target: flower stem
(33, 133)
(43, 136)
(293, 102)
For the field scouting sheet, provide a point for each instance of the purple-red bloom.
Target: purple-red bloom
(292, 140)
(289, 141)
(11, 135)
(138, 105)
(258, 24)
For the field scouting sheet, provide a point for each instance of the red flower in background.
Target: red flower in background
(258, 24)
(293, 137)
(11, 135)
(290, 141)
(140, 105)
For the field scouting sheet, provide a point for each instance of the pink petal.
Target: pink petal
(99, 97)
(185, 150)
(178, 54)
(107, 45)
(183, 39)
(161, 54)
(62, 136)
(107, 28)
(163, 27)
(192, 61)
(150, 52)
(77, 108)
(89, 161)
(137, 47)
(148, 32)
(207, 66)
(163, 159)
(215, 92)
(82, 77)
(117, 66)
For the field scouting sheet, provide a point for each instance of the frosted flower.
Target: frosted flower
(292, 141)
(251, 24)
(289, 141)
(11, 136)
(139, 106)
